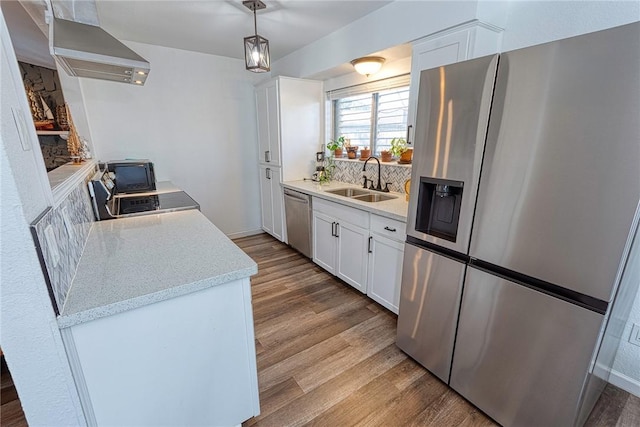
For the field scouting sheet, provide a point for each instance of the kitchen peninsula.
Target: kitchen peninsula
(158, 324)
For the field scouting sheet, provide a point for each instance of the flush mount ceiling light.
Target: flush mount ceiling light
(256, 48)
(368, 65)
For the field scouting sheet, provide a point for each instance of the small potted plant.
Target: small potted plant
(399, 148)
(336, 145)
(351, 149)
(386, 156)
(365, 153)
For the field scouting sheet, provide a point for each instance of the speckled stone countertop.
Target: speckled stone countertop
(394, 209)
(131, 262)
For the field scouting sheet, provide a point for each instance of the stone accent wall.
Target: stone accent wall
(44, 82)
(54, 151)
(351, 171)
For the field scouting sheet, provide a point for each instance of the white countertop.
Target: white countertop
(131, 262)
(394, 209)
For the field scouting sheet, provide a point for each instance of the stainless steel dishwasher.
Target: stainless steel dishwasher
(297, 208)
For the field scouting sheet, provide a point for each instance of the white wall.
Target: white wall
(29, 335)
(626, 367)
(529, 23)
(195, 119)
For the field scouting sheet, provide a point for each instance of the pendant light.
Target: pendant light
(256, 48)
(368, 65)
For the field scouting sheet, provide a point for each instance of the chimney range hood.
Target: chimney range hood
(89, 51)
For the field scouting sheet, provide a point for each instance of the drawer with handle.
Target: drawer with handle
(391, 228)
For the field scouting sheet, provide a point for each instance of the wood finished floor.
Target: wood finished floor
(327, 357)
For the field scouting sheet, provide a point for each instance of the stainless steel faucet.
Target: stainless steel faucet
(379, 186)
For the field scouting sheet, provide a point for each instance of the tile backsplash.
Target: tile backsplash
(61, 233)
(351, 171)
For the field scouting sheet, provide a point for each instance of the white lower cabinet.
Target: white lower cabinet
(385, 271)
(324, 241)
(272, 201)
(365, 250)
(340, 238)
(352, 255)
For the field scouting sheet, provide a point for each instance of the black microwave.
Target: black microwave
(132, 176)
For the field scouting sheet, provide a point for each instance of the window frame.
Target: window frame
(374, 89)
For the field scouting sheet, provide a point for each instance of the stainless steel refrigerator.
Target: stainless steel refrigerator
(526, 192)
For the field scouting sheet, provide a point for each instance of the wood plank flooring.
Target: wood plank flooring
(327, 357)
(11, 414)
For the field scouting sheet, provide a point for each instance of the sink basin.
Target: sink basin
(374, 197)
(348, 192)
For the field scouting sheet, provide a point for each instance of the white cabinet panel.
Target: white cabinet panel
(352, 255)
(339, 246)
(385, 271)
(289, 134)
(324, 241)
(272, 201)
(458, 44)
(367, 256)
(189, 360)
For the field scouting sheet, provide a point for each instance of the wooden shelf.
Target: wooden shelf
(53, 132)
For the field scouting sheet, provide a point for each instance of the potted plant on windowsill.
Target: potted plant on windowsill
(336, 145)
(399, 149)
(352, 150)
(386, 156)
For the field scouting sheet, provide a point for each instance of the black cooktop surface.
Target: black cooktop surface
(155, 203)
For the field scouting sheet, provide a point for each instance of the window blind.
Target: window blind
(370, 87)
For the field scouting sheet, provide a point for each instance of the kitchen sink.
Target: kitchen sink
(348, 192)
(362, 195)
(374, 197)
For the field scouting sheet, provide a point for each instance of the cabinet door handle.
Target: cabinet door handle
(393, 230)
(267, 156)
(268, 173)
(333, 229)
(408, 132)
(369, 245)
(337, 229)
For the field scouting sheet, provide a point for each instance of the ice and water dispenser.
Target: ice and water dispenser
(438, 210)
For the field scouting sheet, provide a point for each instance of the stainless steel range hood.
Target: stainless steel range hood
(89, 51)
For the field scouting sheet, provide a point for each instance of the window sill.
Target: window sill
(66, 177)
(393, 163)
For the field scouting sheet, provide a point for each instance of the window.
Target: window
(371, 115)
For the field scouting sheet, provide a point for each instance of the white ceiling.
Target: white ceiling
(219, 26)
(210, 26)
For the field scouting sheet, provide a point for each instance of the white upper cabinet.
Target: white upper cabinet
(457, 44)
(289, 125)
(268, 124)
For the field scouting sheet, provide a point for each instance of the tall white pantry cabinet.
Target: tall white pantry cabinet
(289, 135)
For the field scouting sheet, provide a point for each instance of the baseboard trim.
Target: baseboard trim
(245, 233)
(624, 382)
